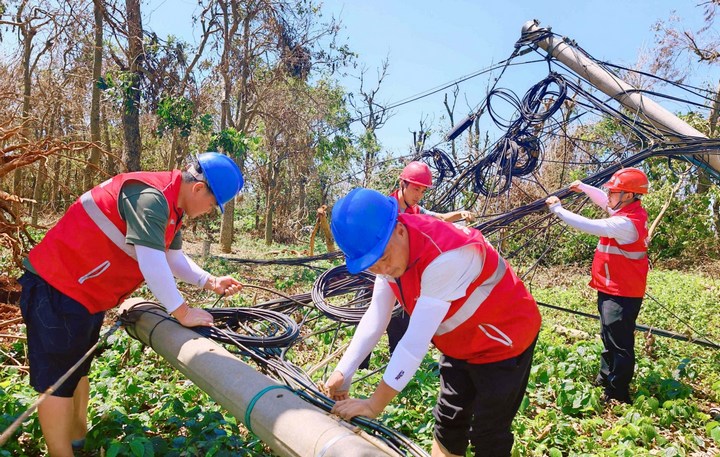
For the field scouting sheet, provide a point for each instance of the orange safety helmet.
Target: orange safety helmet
(417, 173)
(629, 180)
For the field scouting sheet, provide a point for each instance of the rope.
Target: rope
(296, 261)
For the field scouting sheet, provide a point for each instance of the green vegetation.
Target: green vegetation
(141, 406)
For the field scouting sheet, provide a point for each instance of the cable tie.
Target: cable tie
(254, 400)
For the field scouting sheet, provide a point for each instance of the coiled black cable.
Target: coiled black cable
(442, 163)
(338, 281)
(253, 327)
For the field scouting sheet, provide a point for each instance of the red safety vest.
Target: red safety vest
(85, 255)
(409, 209)
(496, 319)
(621, 270)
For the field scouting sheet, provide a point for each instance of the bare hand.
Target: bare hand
(575, 186)
(334, 386)
(223, 285)
(347, 409)
(192, 317)
(467, 215)
(551, 200)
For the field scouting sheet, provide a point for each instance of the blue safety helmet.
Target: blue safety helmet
(362, 223)
(222, 176)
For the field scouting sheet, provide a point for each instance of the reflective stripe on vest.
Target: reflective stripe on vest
(606, 248)
(473, 302)
(105, 225)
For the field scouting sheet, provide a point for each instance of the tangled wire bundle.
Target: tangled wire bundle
(338, 281)
(252, 327)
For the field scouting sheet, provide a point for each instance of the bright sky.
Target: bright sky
(430, 43)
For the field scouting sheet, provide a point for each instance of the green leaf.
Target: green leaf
(113, 450)
(137, 446)
(715, 434)
(648, 433)
(132, 389)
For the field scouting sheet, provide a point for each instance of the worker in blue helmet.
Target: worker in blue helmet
(414, 180)
(461, 296)
(115, 237)
(221, 174)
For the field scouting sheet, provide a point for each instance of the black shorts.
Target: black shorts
(59, 332)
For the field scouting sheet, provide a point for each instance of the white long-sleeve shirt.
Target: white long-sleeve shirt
(618, 227)
(445, 279)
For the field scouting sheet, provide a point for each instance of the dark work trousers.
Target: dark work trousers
(617, 363)
(395, 331)
(478, 402)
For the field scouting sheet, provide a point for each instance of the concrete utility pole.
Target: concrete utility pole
(627, 95)
(289, 425)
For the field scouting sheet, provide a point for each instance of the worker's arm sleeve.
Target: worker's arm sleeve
(597, 196)
(445, 279)
(185, 269)
(369, 330)
(424, 210)
(617, 227)
(410, 351)
(158, 276)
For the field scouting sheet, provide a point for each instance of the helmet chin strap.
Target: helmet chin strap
(403, 186)
(620, 201)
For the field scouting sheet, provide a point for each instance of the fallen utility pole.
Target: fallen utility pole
(630, 97)
(289, 425)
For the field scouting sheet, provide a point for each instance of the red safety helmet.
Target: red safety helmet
(417, 173)
(629, 180)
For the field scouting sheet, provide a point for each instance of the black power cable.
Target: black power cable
(338, 281)
(254, 327)
(643, 328)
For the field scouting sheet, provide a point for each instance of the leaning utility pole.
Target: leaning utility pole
(630, 97)
(291, 426)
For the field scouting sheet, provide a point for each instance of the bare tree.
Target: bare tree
(450, 109)
(126, 29)
(372, 116)
(131, 111)
(94, 159)
(29, 20)
(260, 44)
(674, 43)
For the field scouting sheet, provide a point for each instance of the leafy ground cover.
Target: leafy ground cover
(140, 406)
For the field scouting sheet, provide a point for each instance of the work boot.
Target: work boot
(609, 398)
